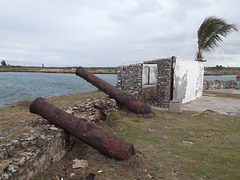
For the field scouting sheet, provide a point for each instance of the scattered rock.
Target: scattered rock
(93, 110)
(72, 174)
(53, 128)
(12, 168)
(3, 165)
(187, 142)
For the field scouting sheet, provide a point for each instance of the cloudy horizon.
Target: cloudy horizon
(110, 32)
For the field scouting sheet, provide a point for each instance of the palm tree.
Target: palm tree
(210, 34)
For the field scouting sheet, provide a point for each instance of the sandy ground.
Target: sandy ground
(221, 105)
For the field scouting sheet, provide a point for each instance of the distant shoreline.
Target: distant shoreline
(63, 72)
(211, 71)
(70, 70)
(96, 72)
(223, 74)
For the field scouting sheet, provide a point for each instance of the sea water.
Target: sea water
(16, 86)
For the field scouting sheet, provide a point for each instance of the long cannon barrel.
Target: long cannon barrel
(121, 97)
(88, 133)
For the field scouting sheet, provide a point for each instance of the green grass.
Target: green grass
(212, 152)
(168, 146)
(55, 69)
(219, 94)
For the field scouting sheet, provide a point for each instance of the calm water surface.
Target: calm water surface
(221, 78)
(16, 86)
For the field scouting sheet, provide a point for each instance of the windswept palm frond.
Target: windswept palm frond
(210, 34)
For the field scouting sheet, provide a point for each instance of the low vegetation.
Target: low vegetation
(168, 146)
(10, 68)
(221, 70)
(218, 70)
(221, 94)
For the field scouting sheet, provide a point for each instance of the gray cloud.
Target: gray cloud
(110, 32)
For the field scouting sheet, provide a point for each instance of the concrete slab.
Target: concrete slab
(230, 106)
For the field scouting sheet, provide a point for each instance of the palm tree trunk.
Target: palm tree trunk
(199, 55)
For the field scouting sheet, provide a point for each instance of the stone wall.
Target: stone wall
(218, 84)
(42, 143)
(130, 79)
(164, 68)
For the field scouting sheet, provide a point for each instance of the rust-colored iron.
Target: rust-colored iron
(88, 133)
(121, 97)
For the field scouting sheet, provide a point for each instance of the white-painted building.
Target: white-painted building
(188, 80)
(162, 80)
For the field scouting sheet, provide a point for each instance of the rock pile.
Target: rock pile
(93, 110)
(32, 151)
(42, 143)
(218, 84)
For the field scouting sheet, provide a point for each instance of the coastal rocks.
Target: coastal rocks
(42, 143)
(93, 110)
(218, 84)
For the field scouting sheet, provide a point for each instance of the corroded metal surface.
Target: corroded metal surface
(121, 97)
(90, 134)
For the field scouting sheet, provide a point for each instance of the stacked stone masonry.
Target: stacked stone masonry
(164, 76)
(218, 84)
(130, 79)
(43, 143)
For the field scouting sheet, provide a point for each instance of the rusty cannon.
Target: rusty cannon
(88, 133)
(121, 97)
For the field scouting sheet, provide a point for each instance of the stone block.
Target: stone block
(175, 106)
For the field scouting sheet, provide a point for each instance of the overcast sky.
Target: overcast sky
(111, 32)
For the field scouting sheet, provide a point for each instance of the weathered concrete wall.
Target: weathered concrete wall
(164, 68)
(188, 80)
(130, 79)
(219, 84)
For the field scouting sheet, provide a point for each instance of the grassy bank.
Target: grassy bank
(106, 70)
(99, 70)
(220, 94)
(222, 70)
(168, 146)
